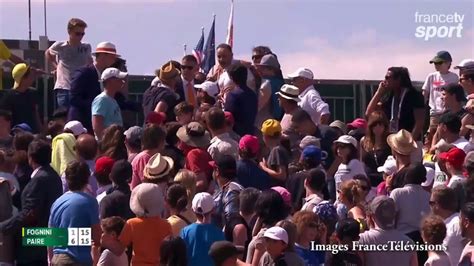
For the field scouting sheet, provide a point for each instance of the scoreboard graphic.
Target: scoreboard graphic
(38, 236)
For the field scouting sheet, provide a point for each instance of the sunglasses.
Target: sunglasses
(79, 33)
(187, 67)
(255, 57)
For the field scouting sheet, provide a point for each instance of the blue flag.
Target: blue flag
(210, 50)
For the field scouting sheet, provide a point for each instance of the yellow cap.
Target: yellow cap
(271, 127)
(18, 72)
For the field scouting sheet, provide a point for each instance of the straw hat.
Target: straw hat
(194, 135)
(402, 142)
(158, 167)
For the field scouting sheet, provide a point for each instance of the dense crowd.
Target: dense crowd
(238, 166)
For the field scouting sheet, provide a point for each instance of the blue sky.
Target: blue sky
(336, 39)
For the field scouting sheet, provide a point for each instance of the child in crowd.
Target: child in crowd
(347, 151)
(276, 243)
(171, 251)
(388, 169)
(347, 231)
(111, 227)
(184, 113)
(276, 164)
(433, 232)
(147, 231)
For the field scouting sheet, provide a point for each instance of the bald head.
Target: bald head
(86, 147)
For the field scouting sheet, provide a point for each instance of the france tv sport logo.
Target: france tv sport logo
(38, 236)
(438, 25)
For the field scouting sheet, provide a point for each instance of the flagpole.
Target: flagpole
(184, 46)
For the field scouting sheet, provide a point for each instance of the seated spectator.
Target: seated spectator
(63, 152)
(201, 235)
(117, 198)
(147, 231)
(113, 143)
(347, 151)
(381, 215)
(171, 252)
(443, 202)
(276, 164)
(152, 143)
(76, 209)
(224, 253)
(103, 167)
(347, 232)
(133, 142)
(111, 227)
(412, 203)
(221, 143)
(309, 229)
(433, 231)
(184, 113)
(238, 228)
(177, 202)
(249, 174)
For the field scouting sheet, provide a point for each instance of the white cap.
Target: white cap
(389, 167)
(202, 203)
(112, 72)
(346, 139)
(430, 174)
(209, 87)
(466, 63)
(276, 233)
(303, 73)
(76, 127)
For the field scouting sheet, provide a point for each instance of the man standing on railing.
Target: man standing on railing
(22, 101)
(310, 100)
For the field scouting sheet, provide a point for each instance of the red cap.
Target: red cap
(358, 123)
(454, 156)
(156, 118)
(103, 165)
(229, 117)
(249, 142)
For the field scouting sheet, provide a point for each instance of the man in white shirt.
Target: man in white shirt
(310, 100)
(443, 202)
(68, 56)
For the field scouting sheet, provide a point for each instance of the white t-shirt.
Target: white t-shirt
(69, 59)
(313, 104)
(107, 258)
(438, 259)
(453, 240)
(412, 203)
(348, 171)
(433, 83)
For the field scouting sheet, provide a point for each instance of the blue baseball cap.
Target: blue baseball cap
(22, 127)
(312, 152)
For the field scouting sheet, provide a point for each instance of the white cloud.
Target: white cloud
(364, 56)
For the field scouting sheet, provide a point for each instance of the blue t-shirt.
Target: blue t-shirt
(108, 108)
(250, 175)
(311, 258)
(199, 238)
(75, 209)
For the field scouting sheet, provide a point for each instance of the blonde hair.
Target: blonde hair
(76, 23)
(188, 180)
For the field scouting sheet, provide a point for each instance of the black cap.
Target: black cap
(441, 56)
(121, 172)
(222, 250)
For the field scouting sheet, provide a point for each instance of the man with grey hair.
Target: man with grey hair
(381, 219)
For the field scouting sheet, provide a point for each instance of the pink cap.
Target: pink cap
(285, 194)
(229, 117)
(250, 143)
(358, 123)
